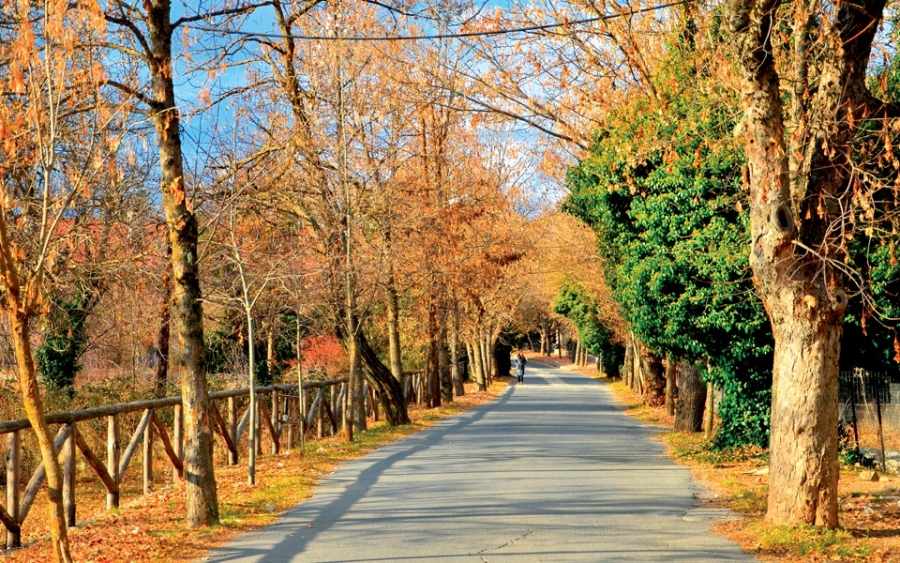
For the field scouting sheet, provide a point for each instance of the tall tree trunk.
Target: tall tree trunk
(492, 348)
(670, 384)
(302, 404)
(253, 407)
(798, 175)
(434, 361)
(479, 364)
(393, 325)
(710, 416)
(691, 399)
(486, 361)
(161, 353)
(270, 351)
(359, 409)
(201, 495)
(803, 446)
(34, 408)
(455, 373)
(638, 381)
(544, 344)
(628, 365)
(446, 381)
(558, 341)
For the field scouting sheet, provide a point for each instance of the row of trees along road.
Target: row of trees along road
(309, 187)
(737, 163)
(344, 186)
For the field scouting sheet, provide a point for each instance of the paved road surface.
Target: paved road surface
(551, 471)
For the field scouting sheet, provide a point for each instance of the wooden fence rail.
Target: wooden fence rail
(289, 409)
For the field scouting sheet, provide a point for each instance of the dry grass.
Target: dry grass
(870, 511)
(152, 529)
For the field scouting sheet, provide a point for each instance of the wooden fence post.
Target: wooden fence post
(178, 441)
(148, 459)
(112, 459)
(276, 423)
(290, 427)
(13, 468)
(320, 428)
(69, 477)
(232, 430)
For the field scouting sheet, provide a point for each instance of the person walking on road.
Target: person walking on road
(520, 367)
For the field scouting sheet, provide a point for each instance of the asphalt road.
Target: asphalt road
(551, 471)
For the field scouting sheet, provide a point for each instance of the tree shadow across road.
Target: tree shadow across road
(550, 473)
(287, 525)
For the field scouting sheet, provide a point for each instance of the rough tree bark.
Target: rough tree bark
(628, 364)
(31, 399)
(795, 163)
(455, 373)
(654, 378)
(691, 399)
(202, 500)
(390, 392)
(670, 384)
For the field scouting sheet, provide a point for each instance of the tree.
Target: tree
(55, 144)
(255, 254)
(337, 138)
(575, 304)
(662, 191)
(65, 338)
(142, 36)
(802, 72)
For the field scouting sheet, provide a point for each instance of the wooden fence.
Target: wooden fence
(322, 402)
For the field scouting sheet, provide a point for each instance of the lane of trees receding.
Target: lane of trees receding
(744, 203)
(213, 175)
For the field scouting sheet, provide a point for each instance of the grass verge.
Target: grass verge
(151, 528)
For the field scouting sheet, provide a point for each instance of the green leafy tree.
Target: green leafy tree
(65, 338)
(574, 303)
(662, 191)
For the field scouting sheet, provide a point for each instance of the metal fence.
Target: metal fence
(870, 415)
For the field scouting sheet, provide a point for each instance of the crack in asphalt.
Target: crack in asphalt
(507, 544)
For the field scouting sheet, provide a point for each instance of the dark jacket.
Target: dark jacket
(520, 365)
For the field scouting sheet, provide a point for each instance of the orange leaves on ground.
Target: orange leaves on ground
(151, 528)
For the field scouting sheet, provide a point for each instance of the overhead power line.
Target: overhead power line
(458, 35)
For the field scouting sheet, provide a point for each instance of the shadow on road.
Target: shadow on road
(337, 508)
